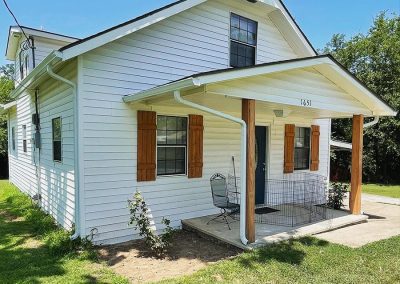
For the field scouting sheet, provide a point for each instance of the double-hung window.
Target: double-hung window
(171, 145)
(243, 41)
(24, 140)
(302, 148)
(57, 139)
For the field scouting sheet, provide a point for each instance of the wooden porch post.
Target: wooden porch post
(248, 115)
(356, 164)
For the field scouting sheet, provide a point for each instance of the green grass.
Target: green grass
(34, 250)
(307, 260)
(384, 190)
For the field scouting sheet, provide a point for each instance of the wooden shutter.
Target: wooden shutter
(314, 147)
(288, 166)
(195, 156)
(146, 145)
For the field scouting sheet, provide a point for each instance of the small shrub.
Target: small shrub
(336, 195)
(159, 244)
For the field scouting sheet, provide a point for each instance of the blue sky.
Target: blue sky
(318, 19)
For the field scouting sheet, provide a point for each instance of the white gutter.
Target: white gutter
(340, 144)
(76, 179)
(243, 149)
(372, 123)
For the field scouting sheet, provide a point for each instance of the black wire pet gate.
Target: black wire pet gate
(294, 200)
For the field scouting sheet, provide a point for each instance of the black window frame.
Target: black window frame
(302, 154)
(56, 141)
(242, 47)
(24, 139)
(178, 144)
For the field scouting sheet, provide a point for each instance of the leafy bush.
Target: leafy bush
(159, 244)
(336, 195)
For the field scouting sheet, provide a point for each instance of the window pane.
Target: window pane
(161, 154)
(235, 21)
(243, 23)
(171, 137)
(170, 153)
(234, 48)
(234, 62)
(182, 123)
(161, 137)
(170, 167)
(302, 150)
(161, 168)
(181, 137)
(241, 61)
(171, 123)
(251, 38)
(235, 33)
(57, 150)
(57, 129)
(243, 36)
(180, 166)
(180, 153)
(161, 123)
(252, 26)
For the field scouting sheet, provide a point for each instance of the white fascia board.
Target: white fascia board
(340, 144)
(290, 24)
(382, 108)
(128, 29)
(53, 58)
(168, 88)
(260, 70)
(4, 108)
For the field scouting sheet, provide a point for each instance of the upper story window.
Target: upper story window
(24, 140)
(57, 139)
(23, 64)
(243, 41)
(302, 148)
(171, 145)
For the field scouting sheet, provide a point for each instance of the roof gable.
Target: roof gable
(280, 14)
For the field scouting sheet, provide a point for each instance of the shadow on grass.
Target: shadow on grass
(289, 252)
(23, 258)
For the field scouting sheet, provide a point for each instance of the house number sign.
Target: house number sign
(306, 103)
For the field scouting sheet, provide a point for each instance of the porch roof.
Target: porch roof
(316, 84)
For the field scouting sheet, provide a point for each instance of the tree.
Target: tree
(6, 86)
(375, 59)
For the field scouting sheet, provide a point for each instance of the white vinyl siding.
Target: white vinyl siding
(56, 185)
(193, 41)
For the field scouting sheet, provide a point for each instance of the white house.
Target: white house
(162, 102)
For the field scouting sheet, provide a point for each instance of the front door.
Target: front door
(260, 155)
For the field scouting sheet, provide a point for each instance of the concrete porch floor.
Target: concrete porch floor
(268, 234)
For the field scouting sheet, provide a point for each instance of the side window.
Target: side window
(302, 148)
(24, 140)
(57, 139)
(243, 41)
(171, 145)
(13, 138)
(23, 64)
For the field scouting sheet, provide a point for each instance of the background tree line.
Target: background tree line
(374, 58)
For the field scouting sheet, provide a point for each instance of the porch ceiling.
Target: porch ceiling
(316, 87)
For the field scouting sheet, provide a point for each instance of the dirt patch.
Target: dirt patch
(8, 217)
(188, 254)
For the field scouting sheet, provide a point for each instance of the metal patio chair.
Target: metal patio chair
(220, 197)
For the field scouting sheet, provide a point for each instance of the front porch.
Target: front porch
(266, 233)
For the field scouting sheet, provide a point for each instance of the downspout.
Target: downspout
(76, 169)
(372, 123)
(243, 149)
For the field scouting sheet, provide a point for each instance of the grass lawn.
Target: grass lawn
(33, 250)
(307, 260)
(384, 190)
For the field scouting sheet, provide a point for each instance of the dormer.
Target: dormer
(28, 47)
